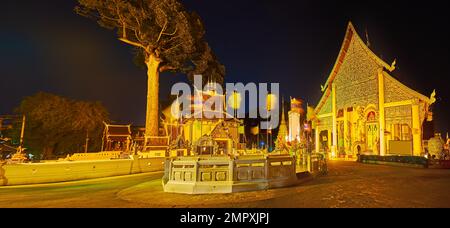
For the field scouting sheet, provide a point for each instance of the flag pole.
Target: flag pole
(258, 137)
(22, 133)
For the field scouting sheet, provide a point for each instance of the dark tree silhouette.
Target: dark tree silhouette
(166, 37)
(57, 126)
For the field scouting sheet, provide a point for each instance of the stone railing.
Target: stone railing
(250, 168)
(280, 167)
(196, 169)
(222, 174)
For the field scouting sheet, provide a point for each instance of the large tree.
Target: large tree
(166, 37)
(57, 126)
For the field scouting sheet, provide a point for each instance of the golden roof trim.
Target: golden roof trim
(349, 35)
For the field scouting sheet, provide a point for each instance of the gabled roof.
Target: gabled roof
(407, 89)
(214, 113)
(349, 36)
(117, 130)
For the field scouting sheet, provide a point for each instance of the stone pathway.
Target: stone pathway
(348, 184)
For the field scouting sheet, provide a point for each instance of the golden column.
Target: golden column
(333, 97)
(346, 132)
(234, 102)
(271, 102)
(381, 109)
(317, 138)
(329, 139)
(416, 130)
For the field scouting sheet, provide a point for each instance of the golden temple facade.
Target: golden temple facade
(365, 110)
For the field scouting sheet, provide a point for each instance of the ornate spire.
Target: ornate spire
(283, 119)
(282, 131)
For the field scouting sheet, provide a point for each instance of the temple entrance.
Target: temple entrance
(324, 141)
(372, 132)
(372, 136)
(341, 139)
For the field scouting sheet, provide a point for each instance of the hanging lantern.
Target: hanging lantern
(272, 101)
(234, 101)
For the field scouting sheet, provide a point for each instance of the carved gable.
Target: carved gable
(327, 107)
(354, 75)
(355, 78)
(357, 81)
(394, 91)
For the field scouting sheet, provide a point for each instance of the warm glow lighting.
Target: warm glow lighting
(234, 101)
(271, 101)
(175, 109)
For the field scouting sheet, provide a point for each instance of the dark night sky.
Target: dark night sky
(45, 46)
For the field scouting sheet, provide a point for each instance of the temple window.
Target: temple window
(340, 113)
(402, 132)
(371, 117)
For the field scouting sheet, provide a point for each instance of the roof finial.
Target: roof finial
(393, 65)
(367, 38)
(433, 97)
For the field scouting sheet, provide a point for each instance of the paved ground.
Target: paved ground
(348, 184)
(88, 193)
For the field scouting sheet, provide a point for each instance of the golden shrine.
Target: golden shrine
(365, 110)
(192, 134)
(214, 158)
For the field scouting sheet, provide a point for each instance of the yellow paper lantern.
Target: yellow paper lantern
(234, 101)
(272, 101)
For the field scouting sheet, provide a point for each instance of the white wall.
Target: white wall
(22, 174)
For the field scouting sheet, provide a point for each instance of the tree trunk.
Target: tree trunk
(152, 118)
(47, 152)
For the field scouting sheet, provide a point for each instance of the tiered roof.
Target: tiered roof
(351, 35)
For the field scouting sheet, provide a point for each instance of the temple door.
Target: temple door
(372, 132)
(372, 136)
(341, 137)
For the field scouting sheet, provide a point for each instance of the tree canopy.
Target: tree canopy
(57, 126)
(162, 29)
(165, 36)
